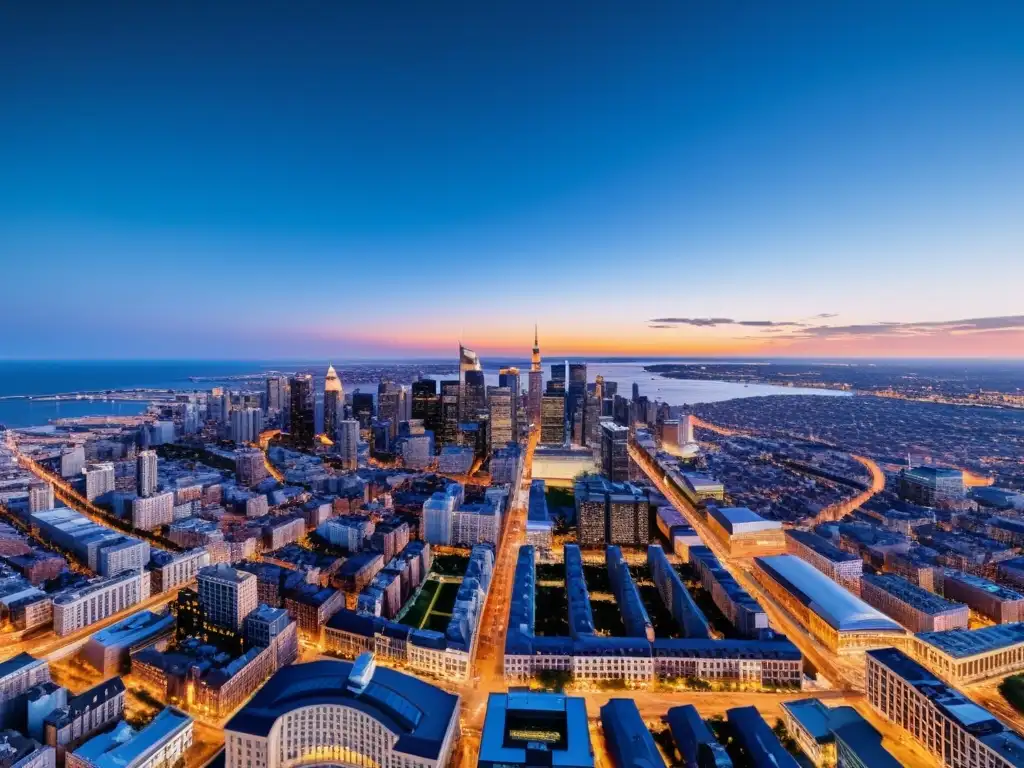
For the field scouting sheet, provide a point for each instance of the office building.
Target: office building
(695, 743)
(915, 608)
(363, 408)
(72, 460)
(502, 408)
(101, 549)
(246, 425)
(145, 473)
(301, 425)
(391, 405)
(535, 387)
(964, 656)
(552, 418)
(79, 607)
(930, 486)
(509, 377)
(99, 480)
(439, 514)
(40, 496)
(351, 713)
(277, 394)
(426, 405)
(744, 532)
(839, 619)
(17, 675)
(556, 383)
(629, 741)
(1000, 604)
(334, 401)
(615, 452)
(472, 397)
(611, 513)
(958, 732)
(346, 444)
(506, 464)
(163, 742)
(451, 391)
(227, 595)
(528, 728)
(843, 567)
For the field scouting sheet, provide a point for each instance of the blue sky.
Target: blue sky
(362, 178)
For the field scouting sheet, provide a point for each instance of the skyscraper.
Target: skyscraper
(227, 595)
(509, 377)
(475, 391)
(536, 383)
(362, 408)
(246, 425)
(390, 405)
(145, 473)
(334, 401)
(556, 384)
(552, 418)
(426, 404)
(449, 433)
(277, 394)
(614, 451)
(301, 426)
(468, 363)
(346, 443)
(502, 413)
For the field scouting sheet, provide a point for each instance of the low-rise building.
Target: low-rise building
(17, 675)
(1000, 604)
(955, 730)
(964, 656)
(629, 741)
(914, 607)
(161, 743)
(109, 650)
(79, 607)
(843, 567)
(85, 715)
(519, 723)
(744, 532)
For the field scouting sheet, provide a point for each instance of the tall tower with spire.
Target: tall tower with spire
(334, 399)
(536, 383)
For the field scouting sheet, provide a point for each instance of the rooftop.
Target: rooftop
(741, 520)
(518, 721)
(416, 712)
(1002, 593)
(123, 745)
(918, 597)
(840, 608)
(961, 643)
(822, 546)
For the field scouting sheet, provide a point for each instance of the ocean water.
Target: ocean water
(19, 378)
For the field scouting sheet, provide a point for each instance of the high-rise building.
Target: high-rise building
(246, 425)
(636, 391)
(451, 391)
(277, 394)
(556, 384)
(301, 426)
(536, 383)
(363, 408)
(592, 414)
(227, 595)
(502, 412)
(334, 401)
(426, 404)
(250, 466)
(475, 391)
(99, 479)
(346, 443)
(40, 496)
(552, 418)
(615, 452)
(509, 377)
(390, 405)
(576, 393)
(468, 362)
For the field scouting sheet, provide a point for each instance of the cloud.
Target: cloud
(824, 316)
(712, 322)
(927, 328)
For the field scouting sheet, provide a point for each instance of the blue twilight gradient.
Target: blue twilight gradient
(242, 179)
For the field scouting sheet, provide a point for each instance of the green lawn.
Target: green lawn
(446, 597)
(418, 610)
(607, 618)
(437, 622)
(1012, 689)
(449, 565)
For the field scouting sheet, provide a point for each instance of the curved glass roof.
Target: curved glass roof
(839, 607)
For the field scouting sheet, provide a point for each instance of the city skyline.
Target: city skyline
(190, 182)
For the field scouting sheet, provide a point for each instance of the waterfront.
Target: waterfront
(33, 378)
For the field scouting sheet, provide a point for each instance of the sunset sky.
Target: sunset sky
(377, 179)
